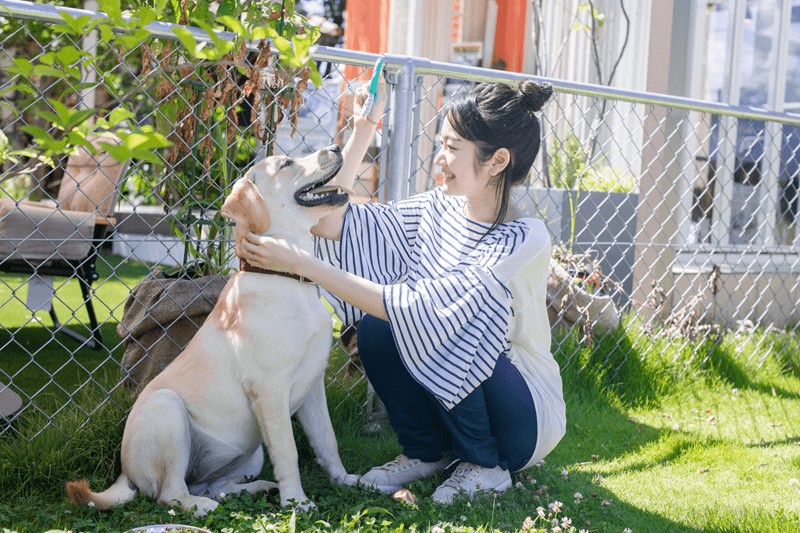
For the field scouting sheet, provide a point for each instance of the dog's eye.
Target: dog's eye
(287, 163)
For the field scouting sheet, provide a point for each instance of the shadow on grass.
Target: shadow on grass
(724, 364)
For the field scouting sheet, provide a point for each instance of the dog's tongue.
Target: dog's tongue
(326, 189)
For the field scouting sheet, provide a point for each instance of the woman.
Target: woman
(449, 290)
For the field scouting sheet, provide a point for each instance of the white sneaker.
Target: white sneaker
(391, 477)
(469, 479)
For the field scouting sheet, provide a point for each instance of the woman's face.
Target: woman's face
(462, 174)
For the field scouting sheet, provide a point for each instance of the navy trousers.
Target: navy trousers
(494, 425)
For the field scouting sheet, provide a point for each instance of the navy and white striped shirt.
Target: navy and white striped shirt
(448, 308)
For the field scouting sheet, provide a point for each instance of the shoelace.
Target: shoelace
(401, 462)
(462, 474)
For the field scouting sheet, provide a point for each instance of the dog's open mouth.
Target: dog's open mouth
(318, 193)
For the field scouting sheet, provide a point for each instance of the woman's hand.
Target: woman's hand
(273, 253)
(378, 107)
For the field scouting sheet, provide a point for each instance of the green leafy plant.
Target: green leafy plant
(571, 167)
(64, 126)
(214, 102)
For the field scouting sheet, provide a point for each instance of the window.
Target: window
(752, 59)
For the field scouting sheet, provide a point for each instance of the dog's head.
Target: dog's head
(285, 196)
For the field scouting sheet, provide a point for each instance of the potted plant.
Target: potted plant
(587, 201)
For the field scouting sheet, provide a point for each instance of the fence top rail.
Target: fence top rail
(424, 66)
(52, 14)
(419, 66)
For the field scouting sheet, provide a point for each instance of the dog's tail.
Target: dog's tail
(123, 490)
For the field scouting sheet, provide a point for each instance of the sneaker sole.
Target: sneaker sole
(501, 488)
(385, 489)
(504, 487)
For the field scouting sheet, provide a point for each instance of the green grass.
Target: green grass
(51, 368)
(661, 437)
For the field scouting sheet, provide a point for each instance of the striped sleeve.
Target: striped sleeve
(374, 245)
(451, 330)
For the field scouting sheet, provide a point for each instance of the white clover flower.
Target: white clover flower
(540, 511)
(437, 529)
(221, 494)
(566, 522)
(555, 506)
(463, 518)
(564, 473)
(171, 512)
(793, 481)
(527, 524)
(519, 484)
(627, 530)
(90, 504)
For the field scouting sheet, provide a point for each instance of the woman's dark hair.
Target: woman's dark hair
(494, 116)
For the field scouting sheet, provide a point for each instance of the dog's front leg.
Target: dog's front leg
(316, 422)
(272, 411)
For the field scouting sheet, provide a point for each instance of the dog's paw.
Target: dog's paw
(203, 506)
(307, 506)
(351, 480)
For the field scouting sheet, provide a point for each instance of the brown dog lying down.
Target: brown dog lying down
(259, 358)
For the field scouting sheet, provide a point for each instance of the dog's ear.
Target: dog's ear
(246, 206)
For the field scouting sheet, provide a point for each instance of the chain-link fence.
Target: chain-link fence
(671, 213)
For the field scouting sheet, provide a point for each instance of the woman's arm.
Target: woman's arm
(330, 227)
(276, 254)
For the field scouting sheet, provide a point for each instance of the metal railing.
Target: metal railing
(651, 200)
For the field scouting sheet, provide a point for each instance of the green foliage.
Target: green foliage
(598, 19)
(571, 168)
(567, 162)
(193, 141)
(69, 126)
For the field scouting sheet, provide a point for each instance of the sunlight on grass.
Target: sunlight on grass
(704, 435)
(117, 278)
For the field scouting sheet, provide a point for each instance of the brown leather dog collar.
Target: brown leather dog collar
(244, 266)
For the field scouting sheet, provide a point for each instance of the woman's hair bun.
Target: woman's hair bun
(534, 94)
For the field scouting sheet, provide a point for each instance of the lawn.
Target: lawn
(663, 436)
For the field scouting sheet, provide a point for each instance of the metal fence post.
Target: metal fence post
(402, 131)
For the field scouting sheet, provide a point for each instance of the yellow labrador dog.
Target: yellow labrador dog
(196, 431)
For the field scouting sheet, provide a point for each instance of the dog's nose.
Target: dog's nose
(334, 148)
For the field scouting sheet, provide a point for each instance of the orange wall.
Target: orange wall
(367, 30)
(509, 41)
